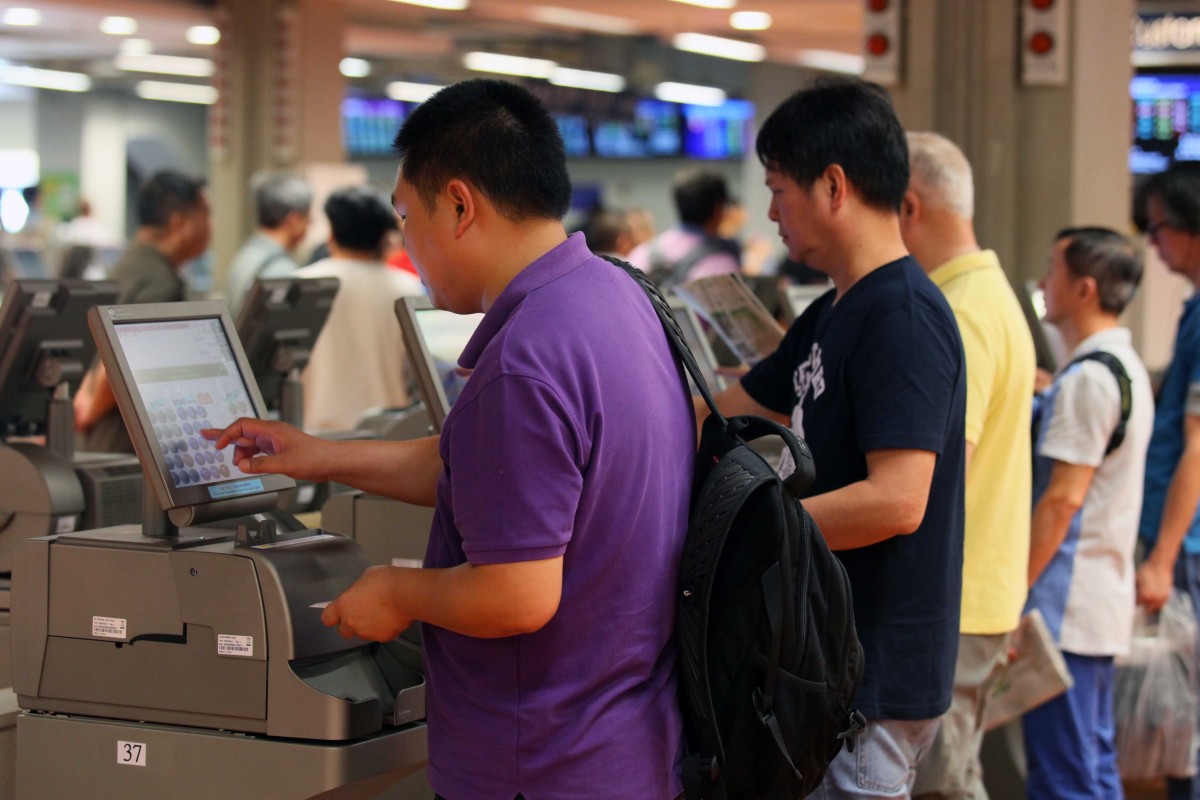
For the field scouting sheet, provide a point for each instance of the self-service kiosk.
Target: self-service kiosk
(181, 659)
(47, 486)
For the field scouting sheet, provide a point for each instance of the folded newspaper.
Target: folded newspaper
(1036, 674)
(726, 303)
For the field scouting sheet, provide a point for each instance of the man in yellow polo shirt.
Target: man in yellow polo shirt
(936, 222)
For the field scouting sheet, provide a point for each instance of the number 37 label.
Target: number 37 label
(131, 754)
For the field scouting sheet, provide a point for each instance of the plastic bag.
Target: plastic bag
(1155, 695)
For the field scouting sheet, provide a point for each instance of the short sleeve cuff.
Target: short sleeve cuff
(1193, 398)
(481, 558)
(898, 441)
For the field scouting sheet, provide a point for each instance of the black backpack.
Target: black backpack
(768, 655)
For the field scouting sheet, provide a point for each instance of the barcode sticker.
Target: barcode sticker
(228, 645)
(108, 627)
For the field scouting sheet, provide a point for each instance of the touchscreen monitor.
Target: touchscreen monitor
(278, 325)
(43, 342)
(175, 369)
(434, 340)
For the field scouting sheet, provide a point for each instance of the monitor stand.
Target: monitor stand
(156, 532)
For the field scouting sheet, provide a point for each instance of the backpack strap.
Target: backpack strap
(1124, 385)
(745, 427)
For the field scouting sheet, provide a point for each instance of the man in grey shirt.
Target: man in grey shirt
(283, 204)
(174, 227)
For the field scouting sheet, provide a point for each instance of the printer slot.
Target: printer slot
(389, 675)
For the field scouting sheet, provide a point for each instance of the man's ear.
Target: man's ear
(834, 185)
(462, 198)
(910, 207)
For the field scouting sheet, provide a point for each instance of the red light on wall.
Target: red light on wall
(877, 6)
(878, 44)
(1041, 43)
(1041, 5)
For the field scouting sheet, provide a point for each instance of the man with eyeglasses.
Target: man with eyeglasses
(1167, 209)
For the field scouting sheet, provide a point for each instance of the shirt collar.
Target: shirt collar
(968, 262)
(1108, 337)
(550, 266)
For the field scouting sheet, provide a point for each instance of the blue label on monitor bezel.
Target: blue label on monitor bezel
(236, 488)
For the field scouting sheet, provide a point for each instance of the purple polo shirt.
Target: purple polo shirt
(574, 436)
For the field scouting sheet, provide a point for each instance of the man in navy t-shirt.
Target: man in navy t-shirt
(872, 377)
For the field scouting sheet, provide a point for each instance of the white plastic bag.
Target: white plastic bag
(1155, 695)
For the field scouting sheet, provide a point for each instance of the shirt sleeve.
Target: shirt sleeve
(906, 380)
(1087, 407)
(516, 472)
(1192, 402)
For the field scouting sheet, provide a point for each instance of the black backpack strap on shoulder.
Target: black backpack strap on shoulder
(1123, 384)
(674, 334)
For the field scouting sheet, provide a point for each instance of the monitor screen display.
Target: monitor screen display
(576, 139)
(187, 378)
(716, 132)
(654, 132)
(1166, 121)
(369, 125)
(434, 340)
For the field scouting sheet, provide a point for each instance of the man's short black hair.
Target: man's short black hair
(360, 218)
(845, 122)
(1108, 258)
(1178, 190)
(496, 136)
(699, 194)
(166, 193)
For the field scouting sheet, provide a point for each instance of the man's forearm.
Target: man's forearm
(857, 516)
(1051, 520)
(406, 471)
(1179, 509)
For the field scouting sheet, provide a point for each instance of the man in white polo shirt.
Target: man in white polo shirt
(1089, 461)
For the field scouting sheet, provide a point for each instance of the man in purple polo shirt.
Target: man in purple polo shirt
(560, 480)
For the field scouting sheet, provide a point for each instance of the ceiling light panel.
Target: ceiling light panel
(355, 67)
(176, 92)
(137, 47)
(509, 65)
(203, 35)
(444, 5)
(412, 92)
(689, 93)
(570, 18)
(45, 78)
(119, 26)
(719, 47)
(586, 79)
(750, 20)
(710, 3)
(22, 17)
(166, 65)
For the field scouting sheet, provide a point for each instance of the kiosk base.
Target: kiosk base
(61, 756)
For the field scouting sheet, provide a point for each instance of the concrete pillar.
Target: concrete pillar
(1045, 157)
(281, 93)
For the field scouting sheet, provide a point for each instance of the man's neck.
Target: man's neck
(870, 242)
(945, 240)
(277, 235)
(346, 254)
(1078, 329)
(526, 242)
(153, 238)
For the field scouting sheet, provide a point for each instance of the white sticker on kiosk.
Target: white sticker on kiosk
(131, 754)
(235, 645)
(108, 627)
(65, 524)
